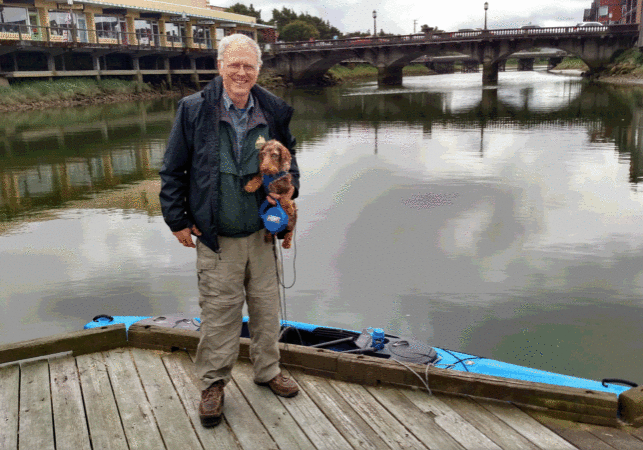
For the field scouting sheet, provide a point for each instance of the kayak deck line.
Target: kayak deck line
(117, 393)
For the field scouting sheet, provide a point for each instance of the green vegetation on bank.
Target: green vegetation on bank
(626, 62)
(72, 89)
(570, 63)
(360, 71)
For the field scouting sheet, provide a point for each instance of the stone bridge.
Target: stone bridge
(306, 62)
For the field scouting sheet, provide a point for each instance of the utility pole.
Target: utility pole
(414, 23)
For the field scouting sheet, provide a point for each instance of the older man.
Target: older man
(210, 156)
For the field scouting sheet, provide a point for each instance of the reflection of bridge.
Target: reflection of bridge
(307, 62)
(603, 113)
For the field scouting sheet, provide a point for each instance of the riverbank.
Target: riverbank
(627, 70)
(76, 92)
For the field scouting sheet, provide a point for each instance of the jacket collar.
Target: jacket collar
(267, 101)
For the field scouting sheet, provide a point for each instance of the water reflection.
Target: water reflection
(58, 157)
(608, 114)
(503, 222)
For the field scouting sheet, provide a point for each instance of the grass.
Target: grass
(359, 71)
(572, 63)
(353, 72)
(67, 89)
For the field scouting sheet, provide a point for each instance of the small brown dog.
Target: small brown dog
(274, 159)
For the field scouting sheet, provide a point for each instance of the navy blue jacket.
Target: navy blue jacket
(190, 172)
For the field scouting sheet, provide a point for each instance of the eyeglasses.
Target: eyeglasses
(236, 67)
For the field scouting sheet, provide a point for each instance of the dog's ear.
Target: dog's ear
(285, 158)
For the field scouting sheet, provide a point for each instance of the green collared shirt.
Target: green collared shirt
(239, 119)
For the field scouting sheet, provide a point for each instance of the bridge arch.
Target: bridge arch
(304, 63)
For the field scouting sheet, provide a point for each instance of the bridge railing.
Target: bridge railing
(369, 41)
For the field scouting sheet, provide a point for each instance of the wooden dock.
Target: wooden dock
(118, 394)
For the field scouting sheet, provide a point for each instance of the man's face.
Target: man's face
(239, 70)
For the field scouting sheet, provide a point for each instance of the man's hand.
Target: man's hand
(185, 236)
(272, 197)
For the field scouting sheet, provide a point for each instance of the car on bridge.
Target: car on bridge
(590, 26)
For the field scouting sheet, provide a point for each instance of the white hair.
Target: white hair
(240, 39)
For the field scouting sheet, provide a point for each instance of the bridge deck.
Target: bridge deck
(129, 398)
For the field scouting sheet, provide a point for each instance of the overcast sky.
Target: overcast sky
(397, 16)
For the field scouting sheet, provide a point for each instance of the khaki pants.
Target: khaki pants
(244, 271)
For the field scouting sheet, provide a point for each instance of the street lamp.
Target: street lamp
(374, 23)
(486, 7)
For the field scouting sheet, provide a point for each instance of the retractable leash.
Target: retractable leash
(275, 220)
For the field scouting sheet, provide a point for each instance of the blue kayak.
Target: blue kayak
(374, 342)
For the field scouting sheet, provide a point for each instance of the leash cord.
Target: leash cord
(294, 258)
(426, 374)
(282, 287)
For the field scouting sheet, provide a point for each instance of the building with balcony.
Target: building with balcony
(184, 23)
(125, 38)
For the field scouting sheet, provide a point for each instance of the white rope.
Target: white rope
(426, 372)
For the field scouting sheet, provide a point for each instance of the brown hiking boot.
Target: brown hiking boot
(283, 386)
(211, 406)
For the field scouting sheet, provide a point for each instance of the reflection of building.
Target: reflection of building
(614, 11)
(71, 178)
(104, 156)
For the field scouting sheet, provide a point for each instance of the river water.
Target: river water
(505, 222)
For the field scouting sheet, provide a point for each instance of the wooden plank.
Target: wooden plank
(135, 410)
(491, 426)
(571, 431)
(638, 433)
(580, 404)
(105, 428)
(162, 338)
(70, 424)
(572, 416)
(395, 434)
(432, 421)
(312, 420)
(181, 370)
(36, 423)
(247, 427)
(615, 437)
(172, 419)
(373, 371)
(275, 417)
(343, 417)
(527, 426)
(9, 394)
(78, 342)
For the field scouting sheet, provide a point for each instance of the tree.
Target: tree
(239, 8)
(286, 16)
(298, 30)
(283, 17)
(427, 29)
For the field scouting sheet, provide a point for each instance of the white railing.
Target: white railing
(369, 41)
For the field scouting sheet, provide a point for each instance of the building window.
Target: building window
(147, 32)
(11, 19)
(175, 32)
(602, 11)
(62, 24)
(202, 36)
(250, 34)
(107, 27)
